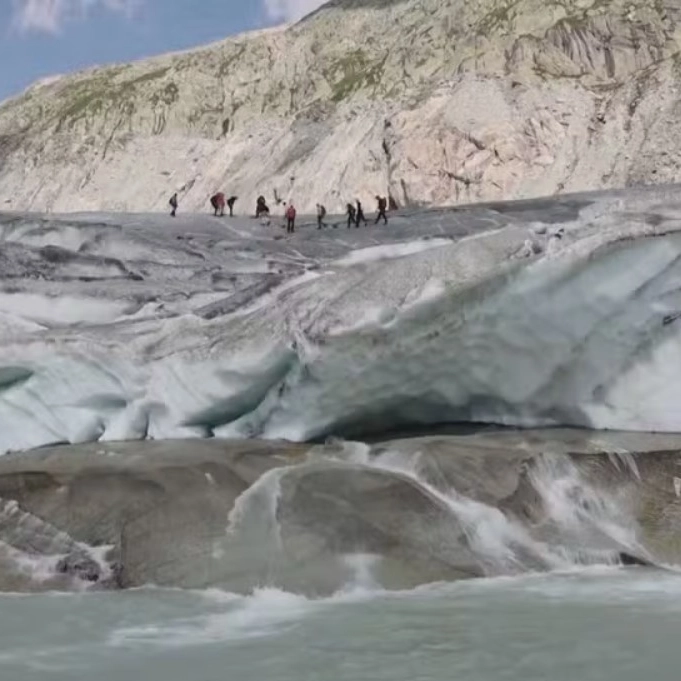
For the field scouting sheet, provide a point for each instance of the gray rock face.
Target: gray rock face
(331, 512)
(429, 102)
(36, 555)
(318, 519)
(159, 509)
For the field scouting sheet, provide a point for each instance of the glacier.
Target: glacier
(539, 313)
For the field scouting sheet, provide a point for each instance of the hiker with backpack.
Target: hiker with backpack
(218, 203)
(261, 207)
(173, 204)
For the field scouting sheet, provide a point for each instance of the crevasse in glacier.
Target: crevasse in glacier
(548, 312)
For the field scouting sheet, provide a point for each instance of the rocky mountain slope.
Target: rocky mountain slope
(431, 101)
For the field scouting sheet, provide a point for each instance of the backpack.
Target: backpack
(322, 212)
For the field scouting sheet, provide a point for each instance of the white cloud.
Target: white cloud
(290, 10)
(48, 16)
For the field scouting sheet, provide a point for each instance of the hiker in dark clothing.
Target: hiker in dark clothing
(218, 203)
(321, 214)
(230, 203)
(290, 219)
(261, 207)
(173, 204)
(382, 207)
(360, 215)
(350, 211)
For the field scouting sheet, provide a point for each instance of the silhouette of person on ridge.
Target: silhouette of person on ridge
(360, 215)
(351, 213)
(382, 208)
(321, 214)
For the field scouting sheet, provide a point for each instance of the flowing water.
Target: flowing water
(601, 624)
(562, 611)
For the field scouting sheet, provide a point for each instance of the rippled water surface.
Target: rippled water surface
(601, 625)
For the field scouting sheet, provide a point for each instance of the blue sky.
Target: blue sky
(39, 38)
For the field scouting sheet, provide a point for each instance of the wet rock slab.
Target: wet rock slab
(242, 514)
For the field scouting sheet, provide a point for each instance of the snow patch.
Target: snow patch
(61, 311)
(388, 252)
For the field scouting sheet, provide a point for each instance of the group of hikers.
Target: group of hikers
(354, 212)
(219, 202)
(262, 210)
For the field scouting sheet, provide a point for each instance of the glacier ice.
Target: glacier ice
(136, 326)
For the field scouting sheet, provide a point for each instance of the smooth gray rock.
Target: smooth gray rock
(313, 519)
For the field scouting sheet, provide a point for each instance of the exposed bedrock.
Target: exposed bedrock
(317, 519)
(430, 102)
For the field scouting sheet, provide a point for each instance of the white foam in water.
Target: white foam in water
(500, 541)
(622, 458)
(36, 567)
(259, 504)
(35, 548)
(491, 534)
(579, 508)
(362, 566)
(261, 614)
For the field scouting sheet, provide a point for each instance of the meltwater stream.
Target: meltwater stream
(585, 526)
(278, 536)
(554, 602)
(601, 624)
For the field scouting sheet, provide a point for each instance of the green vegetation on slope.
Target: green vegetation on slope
(93, 95)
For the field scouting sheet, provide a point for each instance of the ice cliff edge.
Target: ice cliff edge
(547, 312)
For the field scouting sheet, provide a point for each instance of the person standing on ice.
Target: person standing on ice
(218, 203)
(321, 214)
(290, 219)
(382, 208)
(359, 216)
(173, 204)
(350, 212)
(230, 203)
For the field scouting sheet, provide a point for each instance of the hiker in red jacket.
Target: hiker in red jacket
(218, 203)
(290, 219)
